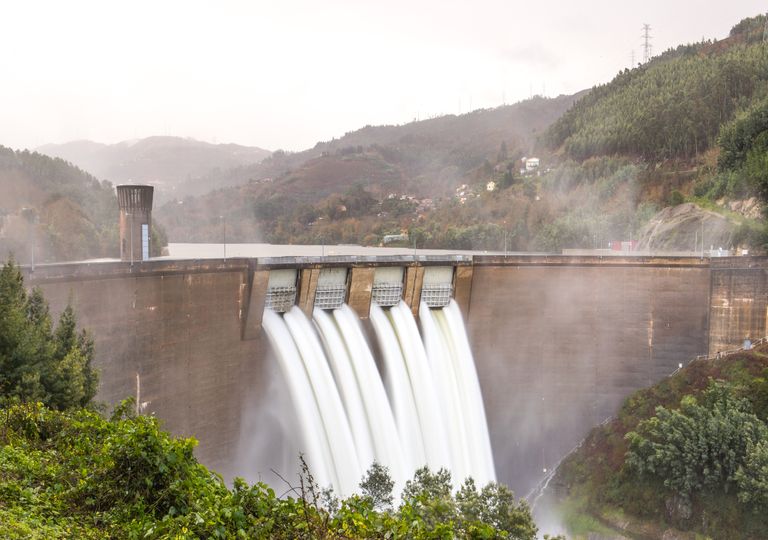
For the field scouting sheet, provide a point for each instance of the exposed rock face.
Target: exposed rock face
(750, 208)
(680, 228)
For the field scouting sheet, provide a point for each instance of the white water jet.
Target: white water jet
(383, 430)
(479, 440)
(427, 406)
(399, 390)
(348, 384)
(434, 412)
(443, 370)
(318, 452)
(334, 418)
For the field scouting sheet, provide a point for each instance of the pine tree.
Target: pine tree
(36, 362)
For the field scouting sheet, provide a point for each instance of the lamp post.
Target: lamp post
(32, 220)
(505, 239)
(35, 221)
(224, 226)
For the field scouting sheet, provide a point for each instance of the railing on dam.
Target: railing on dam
(719, 354)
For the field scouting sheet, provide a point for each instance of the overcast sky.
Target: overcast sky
(286, 74)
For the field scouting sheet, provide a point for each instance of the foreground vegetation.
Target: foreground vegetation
(689, 453)
(66, 471)
(37, 361)
(77, 475)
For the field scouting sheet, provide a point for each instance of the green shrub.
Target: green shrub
(675, 198)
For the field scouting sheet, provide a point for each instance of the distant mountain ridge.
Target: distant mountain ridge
(169, 163)
(611, 158)
(463, 140)
(276, 199)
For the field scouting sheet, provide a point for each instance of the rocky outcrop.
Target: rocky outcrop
(681, 229)
(749, 208)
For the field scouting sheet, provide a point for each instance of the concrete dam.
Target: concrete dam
(558, 341)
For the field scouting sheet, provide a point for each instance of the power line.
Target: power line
(647, 47)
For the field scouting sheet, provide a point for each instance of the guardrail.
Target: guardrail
(720, 354)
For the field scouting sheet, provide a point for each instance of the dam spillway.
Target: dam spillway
(431, 413)
(558, 341)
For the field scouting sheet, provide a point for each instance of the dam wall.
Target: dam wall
(169, 333)
(559, 341)
(738, 301)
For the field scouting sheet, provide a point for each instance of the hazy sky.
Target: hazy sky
(285, 74)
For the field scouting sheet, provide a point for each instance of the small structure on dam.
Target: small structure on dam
(135, 202)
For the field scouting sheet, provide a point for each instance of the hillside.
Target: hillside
(694, 119)
(172, 164)
(430, 144)
(421, 160)
(671, 107)
(66, 213)
(688, 128)
(684, 457)
(612, 161)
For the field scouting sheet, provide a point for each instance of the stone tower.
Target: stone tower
(135, 204)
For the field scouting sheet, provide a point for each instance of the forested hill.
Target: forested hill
(672, 106)
(68, 213)
(355, 174)
(174, 165)
(684, 458)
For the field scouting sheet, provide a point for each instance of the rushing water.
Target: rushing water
(426, 410)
